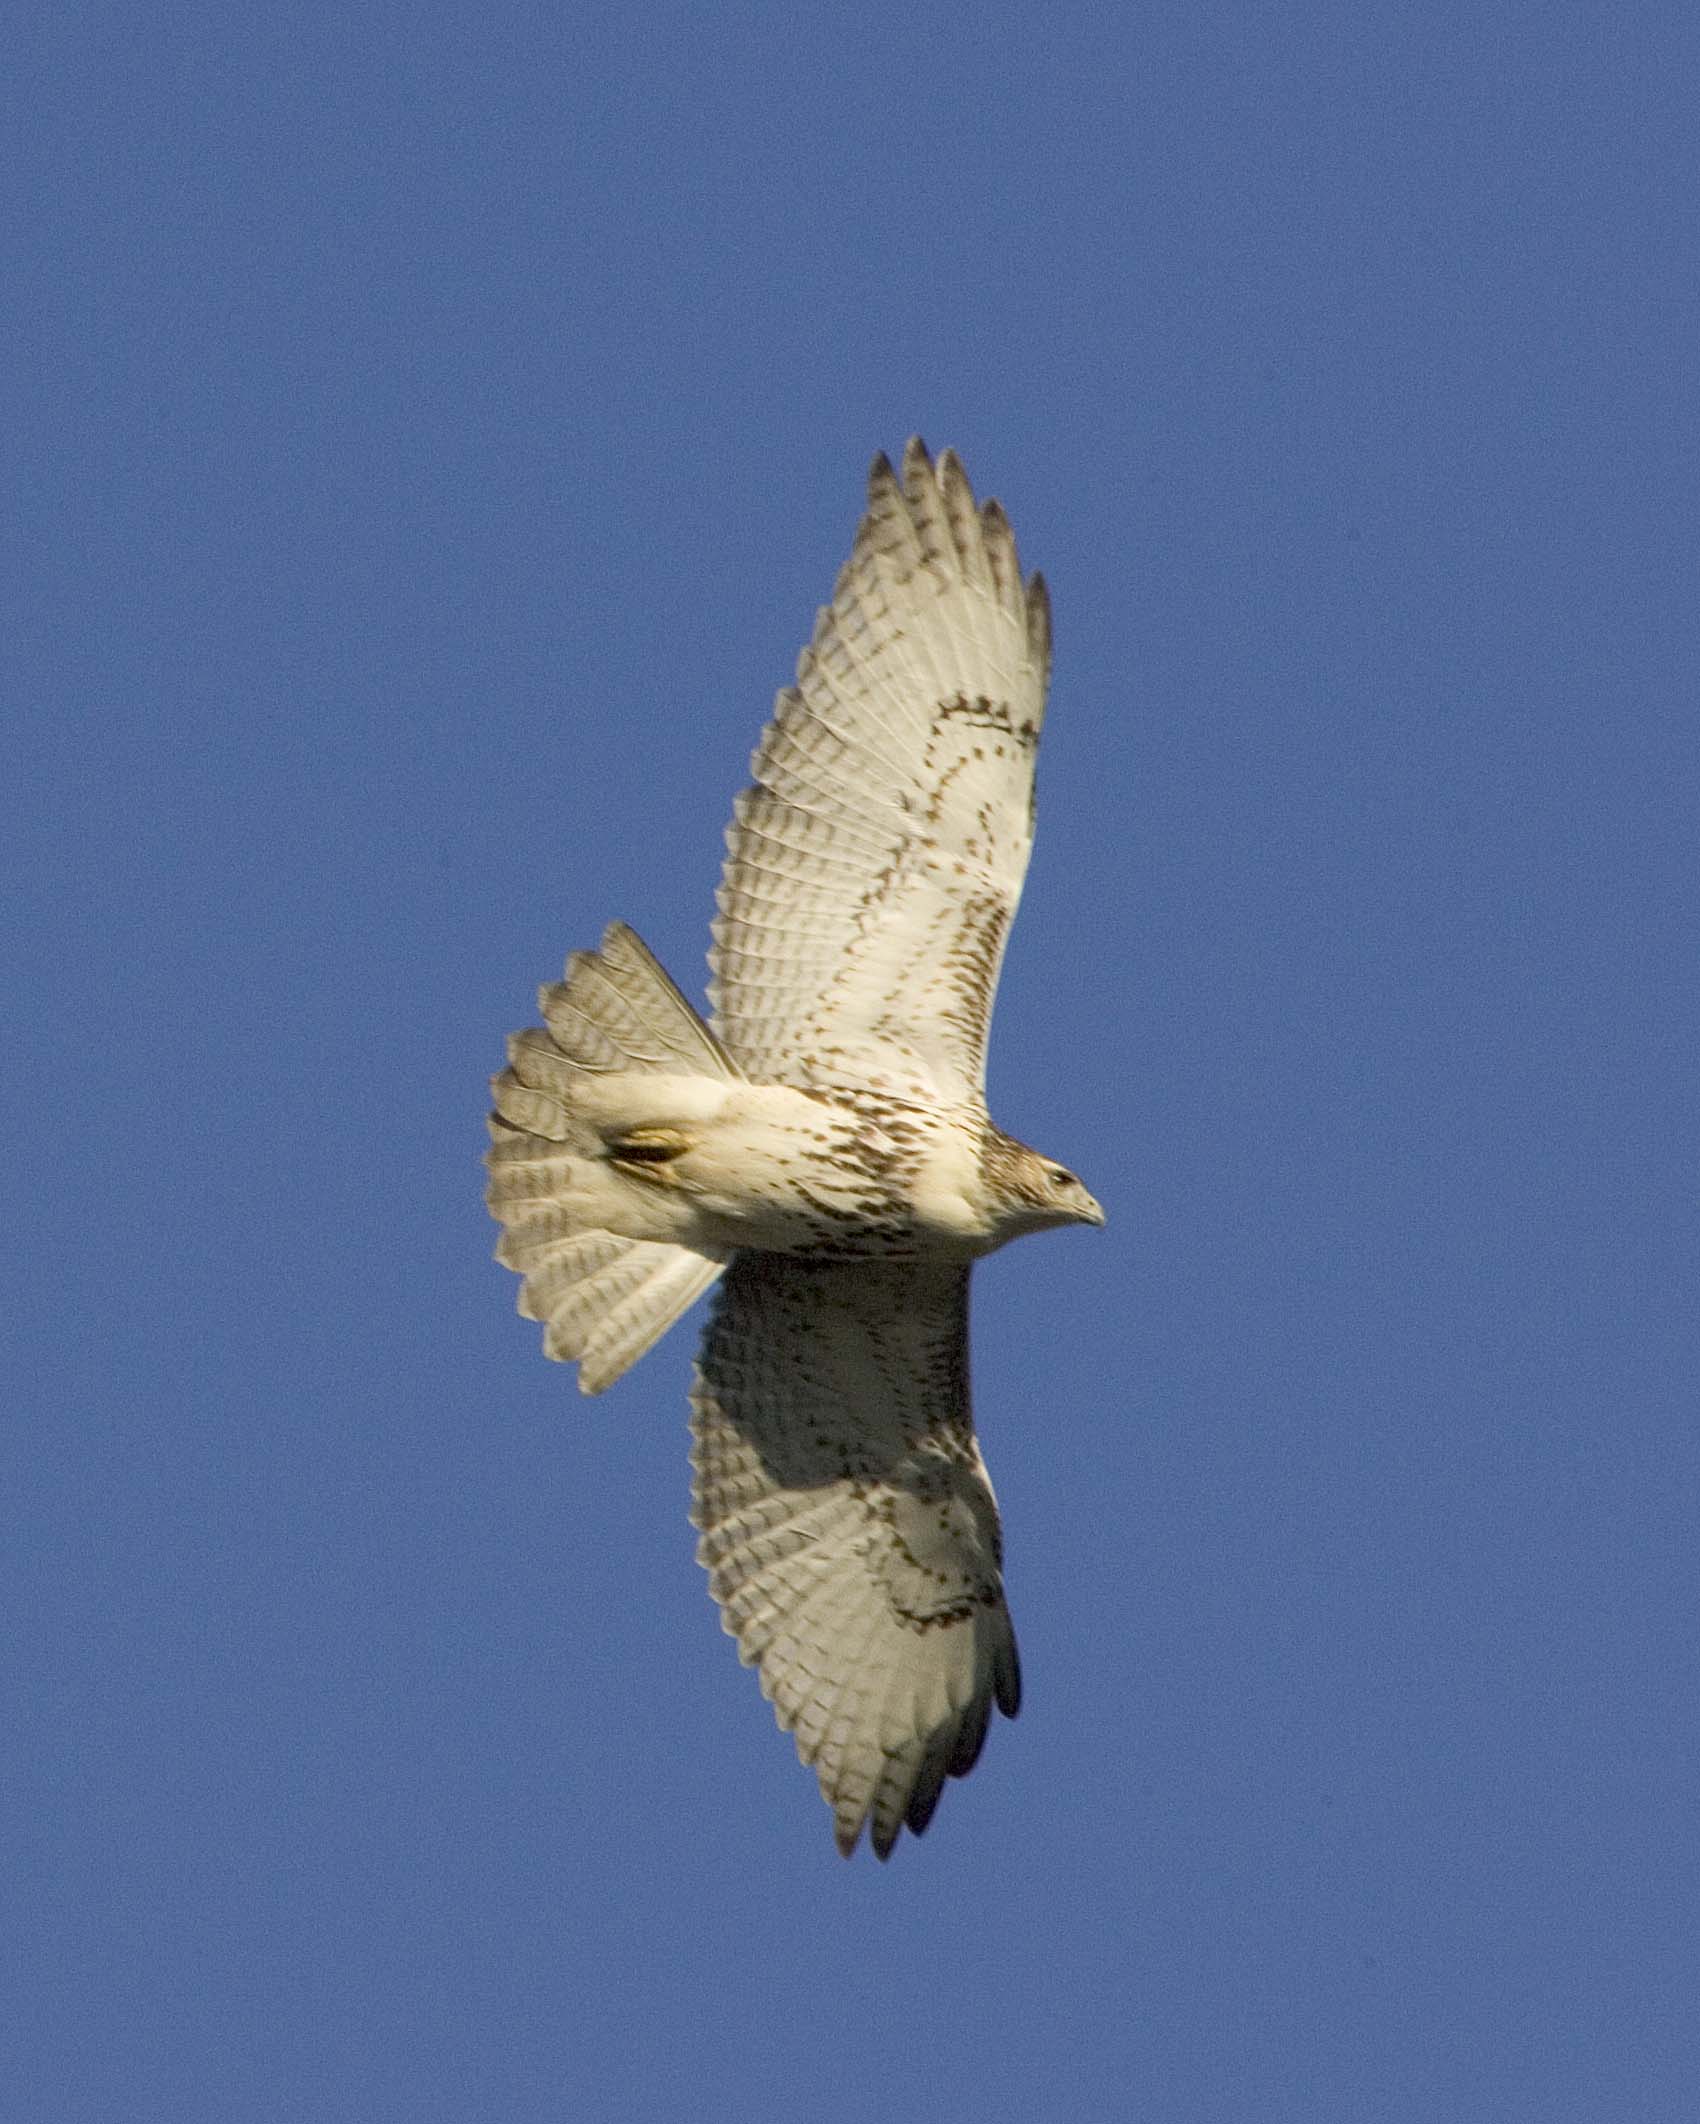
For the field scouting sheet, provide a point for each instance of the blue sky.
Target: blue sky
(430, 433)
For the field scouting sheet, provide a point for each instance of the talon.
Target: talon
(646, 1153)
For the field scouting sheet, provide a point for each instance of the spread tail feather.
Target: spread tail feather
(618, 1010)
(603, 1299)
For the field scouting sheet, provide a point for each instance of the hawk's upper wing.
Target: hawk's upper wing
(848, 1525)
(874, 868)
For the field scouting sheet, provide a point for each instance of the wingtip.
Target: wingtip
(1006, 1680)
(1039, 619)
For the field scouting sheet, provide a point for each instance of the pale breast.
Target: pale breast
(838, 1175)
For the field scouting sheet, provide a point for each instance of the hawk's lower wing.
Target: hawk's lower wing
(849, 1528)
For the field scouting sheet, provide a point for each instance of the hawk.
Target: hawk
(820, 1150)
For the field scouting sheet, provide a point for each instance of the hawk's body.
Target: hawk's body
(825, 1149)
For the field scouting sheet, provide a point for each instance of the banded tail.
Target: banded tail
(603, 1299)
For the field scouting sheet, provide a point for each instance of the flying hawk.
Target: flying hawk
(821, 1150)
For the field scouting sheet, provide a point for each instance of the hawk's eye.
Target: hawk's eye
(1061, 1178)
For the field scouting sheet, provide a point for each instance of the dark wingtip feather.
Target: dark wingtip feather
(1006, 1680)
(1039, 619)
(971, 1738)
(952, 468)
(937, 1764)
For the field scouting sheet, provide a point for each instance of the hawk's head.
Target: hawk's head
(1027, 1192)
